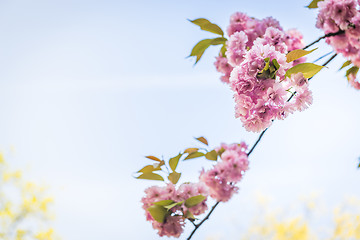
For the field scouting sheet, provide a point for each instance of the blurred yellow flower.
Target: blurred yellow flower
(24, 207)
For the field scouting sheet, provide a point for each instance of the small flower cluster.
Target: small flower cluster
(221, 179)
(255, 67)
(169, 206)
(173, 223)
(244, 32)
(343, 17)
(261, 88)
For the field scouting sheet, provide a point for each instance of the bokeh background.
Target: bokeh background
(88, 88)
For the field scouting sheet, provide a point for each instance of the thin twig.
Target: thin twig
(325, 55)
(325, 36)
(257, 141)
(206, 218)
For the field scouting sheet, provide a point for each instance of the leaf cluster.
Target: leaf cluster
(199, 49)
(152, 171)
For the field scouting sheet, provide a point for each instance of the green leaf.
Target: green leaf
(190, 150)
(174, 177)
(203, 140)
(223, 50)
(296, 54)
(353, 70)
(220, 151)
(276, 64)
(193, 201)
(194, 155)
(308, 69)
(151, 176)
(314, 3)
(270, 69)
(189, 215)
(199, 49)
(158, 213)
(206, 25)
(153, 158)
(212, 155)
(149, 168)
(347, 63)
(173, 162)
(218, 41)
(168, 207)
(164, 202)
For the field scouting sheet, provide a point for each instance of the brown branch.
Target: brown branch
(206, 218)
(325, 36)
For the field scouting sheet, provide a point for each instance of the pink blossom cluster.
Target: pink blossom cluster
(261, 96)
(221, 179)
(245, 32)
(174, 221)
(341, 15)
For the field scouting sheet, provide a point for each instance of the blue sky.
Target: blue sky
(90, 87)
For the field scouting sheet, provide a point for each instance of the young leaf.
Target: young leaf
(168, 207)
(194, 155)
(218, 41)
(153, 158)
(158, 213)
(174, 177)
(220, 151)
(199, 49)
(151, 176)
(149, 168)
(308, 69)
(190, 150)
(193, 201)
(347, 63)
(164, 202)
(296, 54)
(276, 64)
(173, 162)
(189, 215)
(314, 3)
(353, 70)
(206, 25)
(223, 50)
(212, 155)
(203, 140)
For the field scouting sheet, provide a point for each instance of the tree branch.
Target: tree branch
(251, 150)
(206, 218)
(325, 36)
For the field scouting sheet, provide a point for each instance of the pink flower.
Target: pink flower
(222, 65)
(243, 105)
(303, 99)
(276, 94)
(172, 227)
(221, 179)
(294, 40)
(352, 80)
(238, 22)
(236, 48)
(298, 81)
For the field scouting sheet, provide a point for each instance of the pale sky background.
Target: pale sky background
(88, 88)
